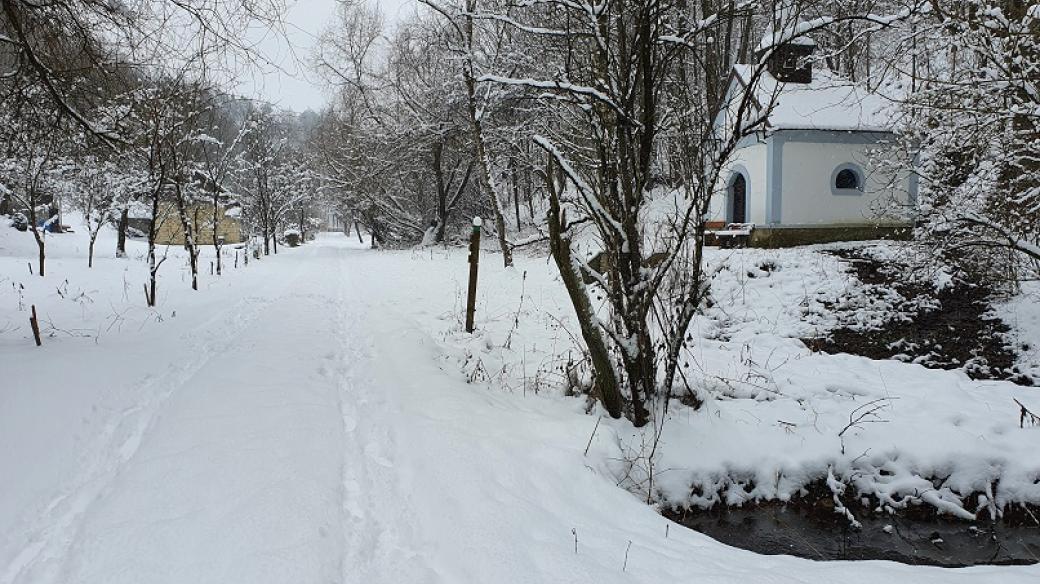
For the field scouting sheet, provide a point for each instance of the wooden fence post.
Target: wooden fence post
(35, 323)
(474, 258)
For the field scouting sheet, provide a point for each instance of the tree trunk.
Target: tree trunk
(216, 237)
(496, 202)
(152, 267)
(42, 250)
(442, 193)
(37, 235)
(529, 194)
(607, 384)
(124, 223)
(90, 250)
(478, 135)
(189, 239)
(642, 376)
(375, 233)
(516, 200)
(153, 264)
(193, 263)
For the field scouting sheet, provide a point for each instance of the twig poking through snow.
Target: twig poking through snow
(864, 414)
(1024, 415)
(589, 445)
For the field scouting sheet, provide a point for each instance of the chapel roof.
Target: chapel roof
(828, 102)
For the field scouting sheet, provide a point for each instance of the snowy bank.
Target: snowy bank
(777, 417)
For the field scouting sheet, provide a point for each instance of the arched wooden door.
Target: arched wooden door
(738, 200)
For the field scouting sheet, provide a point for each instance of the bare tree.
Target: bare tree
(273, 176)
(54, 46)
(103, 187)
(628, 80)
(34, 170)
(471, 48)
(396, 150)
(216, 165)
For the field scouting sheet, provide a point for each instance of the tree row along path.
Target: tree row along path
(310, 435)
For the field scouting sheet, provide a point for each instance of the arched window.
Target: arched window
(847, 179)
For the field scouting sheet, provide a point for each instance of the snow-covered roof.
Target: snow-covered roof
(793, 36)
(787, 28)
(829, 102)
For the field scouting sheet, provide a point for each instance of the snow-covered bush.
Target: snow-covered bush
(972, 112)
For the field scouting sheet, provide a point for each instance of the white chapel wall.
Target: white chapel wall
(807, 197)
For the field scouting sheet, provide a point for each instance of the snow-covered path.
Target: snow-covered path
(306, 433)
(235, 469)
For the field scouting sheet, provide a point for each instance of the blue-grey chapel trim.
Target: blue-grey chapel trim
(774, 176)
(836, 136)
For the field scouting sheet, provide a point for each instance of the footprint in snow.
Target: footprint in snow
(372, 451)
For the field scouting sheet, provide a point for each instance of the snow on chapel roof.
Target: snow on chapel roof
(786, 29)
(829, 102)
(794, 35)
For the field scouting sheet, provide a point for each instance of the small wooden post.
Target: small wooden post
(35, 326)
(147, 297)
(236, 259)
(474, 258)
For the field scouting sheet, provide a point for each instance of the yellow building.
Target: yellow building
(170, 231)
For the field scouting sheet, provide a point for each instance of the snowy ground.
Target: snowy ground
(320, 417)
(778, 416)
(1022, 312)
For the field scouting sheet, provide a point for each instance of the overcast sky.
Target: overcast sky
(291, 84)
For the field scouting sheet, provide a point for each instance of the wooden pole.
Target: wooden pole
(474, 258)
(35, 323)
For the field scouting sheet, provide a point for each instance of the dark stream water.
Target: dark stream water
(776, 530)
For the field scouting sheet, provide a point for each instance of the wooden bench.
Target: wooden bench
(733, 235)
